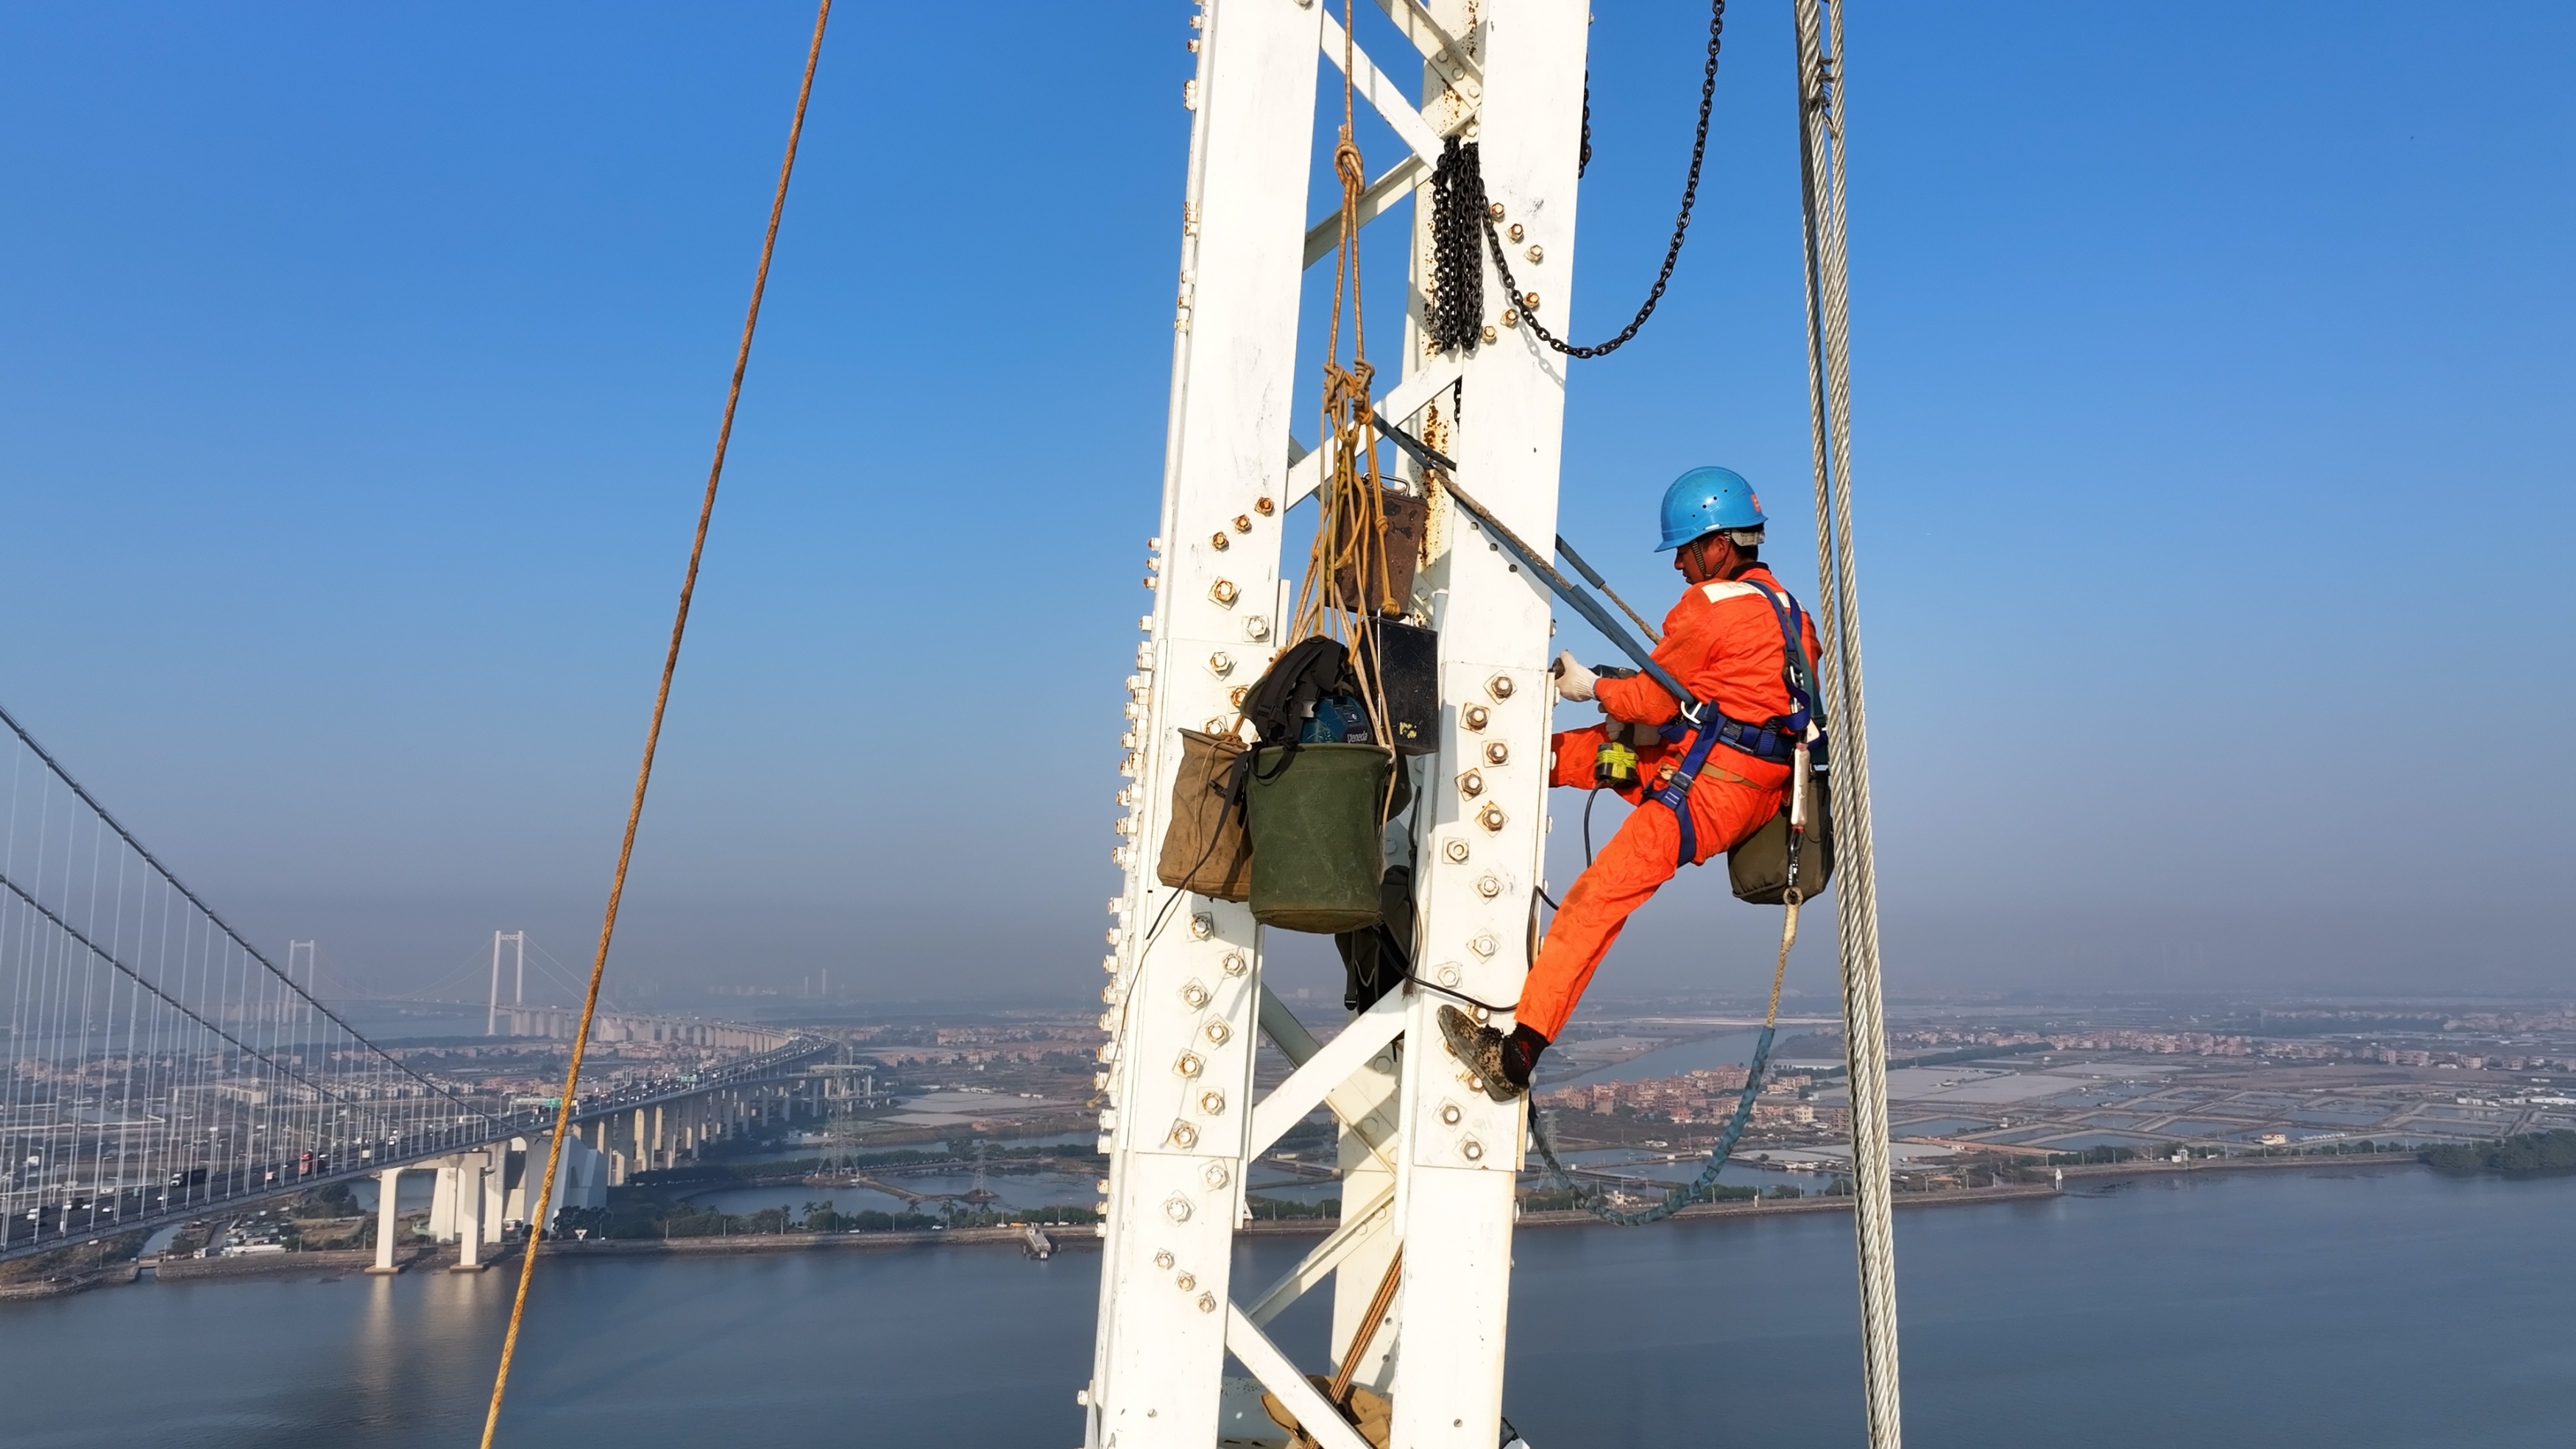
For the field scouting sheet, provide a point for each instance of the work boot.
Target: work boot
(1481, 1048)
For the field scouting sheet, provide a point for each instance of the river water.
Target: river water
(2364, 1309)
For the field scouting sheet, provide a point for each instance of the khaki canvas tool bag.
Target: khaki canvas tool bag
(1206, 848)
(1758, 869)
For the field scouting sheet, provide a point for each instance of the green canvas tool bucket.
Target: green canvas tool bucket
(1316, 855)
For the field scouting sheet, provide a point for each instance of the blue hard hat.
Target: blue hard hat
(1704, 500)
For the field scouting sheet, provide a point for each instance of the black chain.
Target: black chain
(1457, 209)
(1527, 303)
(1583, 162)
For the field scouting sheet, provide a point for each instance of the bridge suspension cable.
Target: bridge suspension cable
(157, 1062)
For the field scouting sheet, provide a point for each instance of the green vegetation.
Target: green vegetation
(1561, 1199)
(73, 1260)
(643, 1213)
(1944, 1059)
(1280, 1207)
(992, 1156)
(334, 1201)
(2531, 1154)
(2091, 1155)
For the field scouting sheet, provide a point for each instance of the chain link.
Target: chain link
(1527, 303)
(1456, 313)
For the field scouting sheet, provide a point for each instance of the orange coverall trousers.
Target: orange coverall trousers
(1734, 794)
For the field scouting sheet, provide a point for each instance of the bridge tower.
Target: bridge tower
(518, 941)
(1431, 1162)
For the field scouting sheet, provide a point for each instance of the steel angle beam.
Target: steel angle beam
(1325, 236)
(1328, 1068)
(1403, 400)
(1182, 1007)
(1357, 1228)
(1382, 94)
(1360, 1104)
(1253, 1349)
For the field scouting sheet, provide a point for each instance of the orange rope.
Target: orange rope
(652, 738)
(1351, 527)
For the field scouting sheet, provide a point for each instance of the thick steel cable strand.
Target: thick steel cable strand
(652, 739)
(1828, 326)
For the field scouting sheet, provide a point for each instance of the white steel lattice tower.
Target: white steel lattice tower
(1430, 1161)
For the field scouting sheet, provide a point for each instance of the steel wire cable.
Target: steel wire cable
(652, 738)
(1828, 322)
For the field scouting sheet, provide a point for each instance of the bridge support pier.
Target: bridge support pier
(470, 1168)
(387, 1181)
(442, 1200)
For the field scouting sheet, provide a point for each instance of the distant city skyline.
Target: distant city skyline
(359, 372)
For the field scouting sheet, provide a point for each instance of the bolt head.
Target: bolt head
(1456, 850)
(1474, 716)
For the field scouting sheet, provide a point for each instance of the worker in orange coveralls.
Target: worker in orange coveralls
(1727, 643)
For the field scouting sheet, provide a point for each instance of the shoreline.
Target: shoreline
(341, 1262)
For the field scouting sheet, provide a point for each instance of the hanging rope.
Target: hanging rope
(1527, 302)
(652, 739)
(1349, 584)
(1827, 278)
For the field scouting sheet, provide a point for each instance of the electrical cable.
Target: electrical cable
(1687, 1193)
(652, 739)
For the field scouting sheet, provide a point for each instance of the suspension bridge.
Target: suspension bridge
(160, 1067)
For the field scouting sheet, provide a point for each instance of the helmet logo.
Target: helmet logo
(1756, 499)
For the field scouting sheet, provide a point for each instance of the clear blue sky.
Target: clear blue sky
(358, 369)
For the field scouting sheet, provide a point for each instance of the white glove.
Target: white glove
(1573, 681)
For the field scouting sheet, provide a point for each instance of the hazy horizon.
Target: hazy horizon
(360, 370)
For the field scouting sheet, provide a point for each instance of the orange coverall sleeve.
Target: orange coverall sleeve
(1685, 651)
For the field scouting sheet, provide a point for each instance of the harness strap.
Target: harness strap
(1776, 740)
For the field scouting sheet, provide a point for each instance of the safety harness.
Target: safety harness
(1780, 739)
